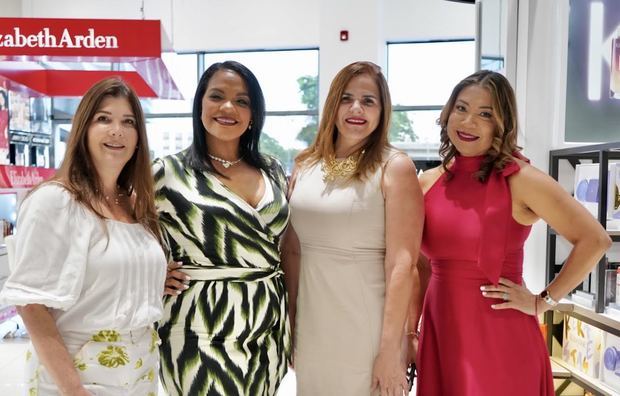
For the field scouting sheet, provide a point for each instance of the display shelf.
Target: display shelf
(559, 371)
(583, 380)
(595, 283)
(601, 154)
(603, 321)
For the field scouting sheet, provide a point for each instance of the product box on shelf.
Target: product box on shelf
(587, 189)
(581, 347)
(610, 369)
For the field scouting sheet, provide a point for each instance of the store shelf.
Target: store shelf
(605, 322)
(583, 380)
(559, 371)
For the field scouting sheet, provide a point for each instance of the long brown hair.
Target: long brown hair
(373, 149)
(504, 106)
(78, 173)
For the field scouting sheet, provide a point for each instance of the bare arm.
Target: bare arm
(545, 198)
(549, 201)
(51, 349)
(404, 218)
(291, 259)
(418, 290)
(291, 255)
(427, 180)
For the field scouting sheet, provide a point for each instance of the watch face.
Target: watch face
(547, 298)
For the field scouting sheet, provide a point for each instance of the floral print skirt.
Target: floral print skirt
(110, 363)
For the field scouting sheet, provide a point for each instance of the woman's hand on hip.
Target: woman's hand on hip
(388, 374)
(514, 296)
(176, 281)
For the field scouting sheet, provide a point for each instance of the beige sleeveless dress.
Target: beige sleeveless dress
(341, 228)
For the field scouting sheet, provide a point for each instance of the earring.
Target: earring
(250, 126)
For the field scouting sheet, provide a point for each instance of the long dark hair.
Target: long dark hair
(504, 113)
(197, 156)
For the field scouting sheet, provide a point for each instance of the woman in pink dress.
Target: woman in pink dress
(479, 332)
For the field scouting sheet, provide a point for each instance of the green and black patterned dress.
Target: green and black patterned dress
(228, 334)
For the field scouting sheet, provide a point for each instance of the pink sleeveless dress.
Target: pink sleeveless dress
(470, 238)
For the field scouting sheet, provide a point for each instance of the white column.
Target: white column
(363, 19)
(540, 88)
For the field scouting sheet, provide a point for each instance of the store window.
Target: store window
(184, 71)
(291, 96)
(421, 76)
(166, 135)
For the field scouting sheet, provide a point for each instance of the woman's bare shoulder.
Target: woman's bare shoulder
(429, 177)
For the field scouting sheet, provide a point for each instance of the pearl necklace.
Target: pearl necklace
(225, 163)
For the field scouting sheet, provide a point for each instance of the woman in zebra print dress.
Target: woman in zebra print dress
(223, 207)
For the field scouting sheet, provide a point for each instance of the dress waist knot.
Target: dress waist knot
(231, 274)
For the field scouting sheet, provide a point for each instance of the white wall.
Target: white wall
(214, 25)
(541, 73)
(427, 20)
(11, 8)
(128, 9)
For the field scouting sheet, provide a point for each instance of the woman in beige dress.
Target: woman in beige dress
(356, 223)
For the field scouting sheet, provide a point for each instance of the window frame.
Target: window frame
(420, 150)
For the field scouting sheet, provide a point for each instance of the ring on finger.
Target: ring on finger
(506, 296)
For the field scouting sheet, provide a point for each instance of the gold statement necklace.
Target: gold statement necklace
(334, 169)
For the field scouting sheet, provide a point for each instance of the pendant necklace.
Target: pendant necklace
(225, 163)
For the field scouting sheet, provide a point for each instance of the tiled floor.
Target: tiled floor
(12, 359)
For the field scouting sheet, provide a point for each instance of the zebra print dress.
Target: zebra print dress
(228, 334)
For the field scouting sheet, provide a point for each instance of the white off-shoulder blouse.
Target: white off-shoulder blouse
(92, 277)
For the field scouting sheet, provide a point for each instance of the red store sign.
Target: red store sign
(23, 176)
(132, 41)
(99, 38)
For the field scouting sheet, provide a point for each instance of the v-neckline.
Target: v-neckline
(238, 197)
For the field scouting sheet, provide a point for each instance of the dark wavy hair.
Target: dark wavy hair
(197, 156)
(504, 106)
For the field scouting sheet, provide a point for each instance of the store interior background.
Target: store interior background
(531, 33)
(239, 25)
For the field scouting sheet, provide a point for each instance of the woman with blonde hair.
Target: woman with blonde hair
(89, 268)
(356, 222)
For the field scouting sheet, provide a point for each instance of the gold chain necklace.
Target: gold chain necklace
(334, 169)
(116, 197)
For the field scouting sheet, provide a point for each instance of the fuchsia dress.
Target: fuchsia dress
(471, 239)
